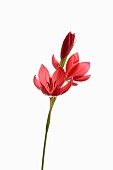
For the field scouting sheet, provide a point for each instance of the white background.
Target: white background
(81, 132)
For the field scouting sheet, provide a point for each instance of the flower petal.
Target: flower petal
(72, 62)
(83, 78)
(55, 63)
(36, 82)
(44, 76)
(58, 77)
(74, 84)
(44, 90)
(65, 88)
(79, 70)
(57, 91)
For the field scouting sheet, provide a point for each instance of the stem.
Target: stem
(52, 101)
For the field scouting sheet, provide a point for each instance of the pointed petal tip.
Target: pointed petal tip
(55, 63)
(36, 82)
(82, 78)
(74, 84)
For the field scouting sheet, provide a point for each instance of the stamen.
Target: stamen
(48, 84)
(54, 83)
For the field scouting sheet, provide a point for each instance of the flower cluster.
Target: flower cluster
(74, 72)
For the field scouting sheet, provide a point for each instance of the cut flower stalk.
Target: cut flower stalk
(62, 79)
(52, 101)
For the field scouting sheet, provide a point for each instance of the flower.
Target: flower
(54, 85)
(51, 86)
(67, 45)
(74, 69)
(77, 70)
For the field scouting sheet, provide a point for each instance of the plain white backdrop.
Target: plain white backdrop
(81, 131)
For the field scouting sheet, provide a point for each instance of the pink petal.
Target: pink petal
(72, 61)
(44, 90)
(36, 82)
(58, 77)
(57, 91)
(83, 78)
(65, 88)
(55, 62)
(74, 84)
(44, 76)
(79, 70)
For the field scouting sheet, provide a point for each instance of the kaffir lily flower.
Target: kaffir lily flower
(77, 70)
(67, 45)
(51, 86)
(74, 69)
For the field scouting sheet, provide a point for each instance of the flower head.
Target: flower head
(67, 45)
(74, 69)
(77, 70)
(51, 86)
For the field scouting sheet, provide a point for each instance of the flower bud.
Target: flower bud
(67, 45)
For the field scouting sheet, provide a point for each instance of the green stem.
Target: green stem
(52, 101)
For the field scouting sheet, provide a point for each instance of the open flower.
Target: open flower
(51, 86)
(67, 45)
(74, 69)
(77, 70)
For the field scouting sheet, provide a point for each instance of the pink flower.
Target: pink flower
(74, 69)
(77, 70)
(67, 45)
(51, 86)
